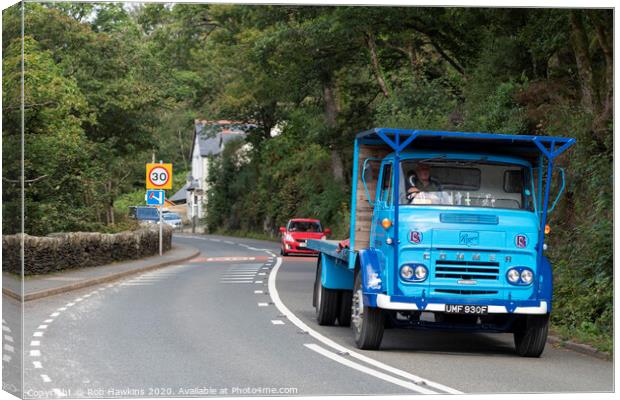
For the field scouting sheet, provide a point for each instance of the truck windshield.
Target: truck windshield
(465, 184)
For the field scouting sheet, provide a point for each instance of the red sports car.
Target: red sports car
(297, 232)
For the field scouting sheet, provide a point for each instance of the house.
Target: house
(210, 138)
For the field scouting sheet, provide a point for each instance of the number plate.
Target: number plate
(302, 245)
(466, 309)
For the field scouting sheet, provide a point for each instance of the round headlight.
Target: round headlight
(527, 276)
(513, 276)
(406, 272)
(420, 272)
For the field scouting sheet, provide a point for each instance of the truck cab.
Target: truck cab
(447, 232)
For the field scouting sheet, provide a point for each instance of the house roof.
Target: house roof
(213, 135)
(181, 194)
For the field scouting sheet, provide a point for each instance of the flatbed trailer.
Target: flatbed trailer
(463, 252)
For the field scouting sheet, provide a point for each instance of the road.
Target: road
(238, 320)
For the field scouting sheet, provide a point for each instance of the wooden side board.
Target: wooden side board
(363, 210)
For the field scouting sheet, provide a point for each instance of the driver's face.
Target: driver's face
(423, 172)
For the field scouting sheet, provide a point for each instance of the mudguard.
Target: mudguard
(370, 268)
(335, 273)
(545, 286)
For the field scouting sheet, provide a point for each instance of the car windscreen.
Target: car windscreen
(304, 226)
(465, 184)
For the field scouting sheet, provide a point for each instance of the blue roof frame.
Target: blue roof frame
(534, 143)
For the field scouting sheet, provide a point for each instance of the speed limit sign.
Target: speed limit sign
(159, 176)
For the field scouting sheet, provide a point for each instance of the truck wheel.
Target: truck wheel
(367, 322)
(344, 313)
(531, 336)
(326, 300)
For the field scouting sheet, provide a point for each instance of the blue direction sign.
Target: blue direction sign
(155, 197)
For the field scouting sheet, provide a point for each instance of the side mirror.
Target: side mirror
(562, 187)
(365, 168)
(327, 231)
(282, 229)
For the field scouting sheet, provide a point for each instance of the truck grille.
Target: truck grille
(466, 292)
(453, 218)
(478, 270)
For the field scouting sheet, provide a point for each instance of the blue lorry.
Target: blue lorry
(447, 232)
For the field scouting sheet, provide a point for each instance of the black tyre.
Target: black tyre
(531, 335)
(344, 312)
(325, 300)
(283, 253)
(367, 322)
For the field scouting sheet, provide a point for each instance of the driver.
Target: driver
(421, 181)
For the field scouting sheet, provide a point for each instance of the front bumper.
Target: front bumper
(435, 305)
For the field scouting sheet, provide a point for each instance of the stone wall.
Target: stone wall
(63, 251)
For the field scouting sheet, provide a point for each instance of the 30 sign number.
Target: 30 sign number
(159, 176)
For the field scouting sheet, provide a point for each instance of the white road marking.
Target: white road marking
(37, 334)
(37, 364)
(366, 370)
(6, 357)
(237, 279)
(250, 272)
(135, 284)
(35, 353)
(258, 281)
(54, 314)
(69, 304)
(48, 321)
(62, 309)
(78, 299)
(277, 322)
(6, 328)
(275, 297)
(45, 378)
(263, 304)
(258, 291)
(42, 327)
(262, 273)
(8, 338)
(9, 348)
(35, 343)
(227, 282)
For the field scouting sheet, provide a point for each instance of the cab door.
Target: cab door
(384, 208)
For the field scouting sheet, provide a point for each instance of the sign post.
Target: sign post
(158, 177)
(161, 228)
